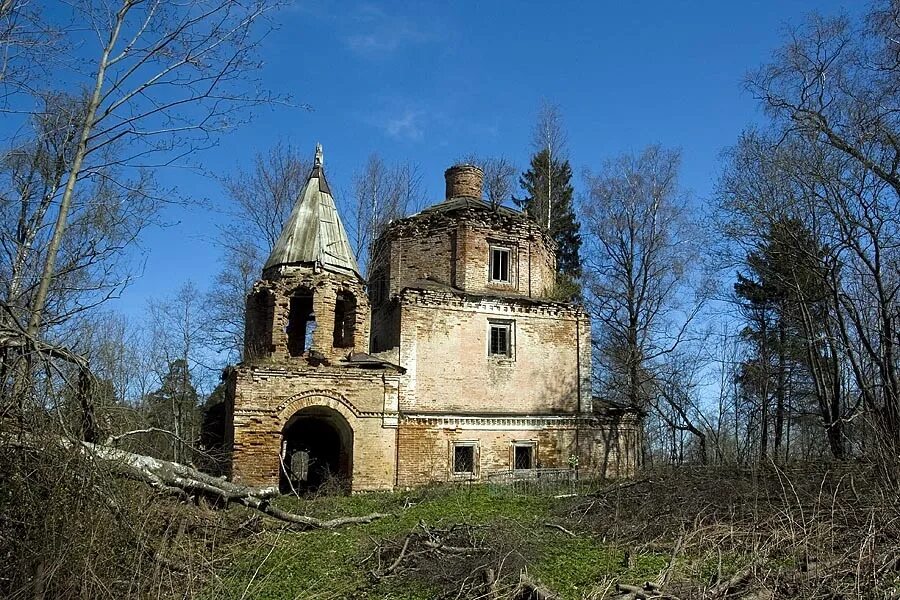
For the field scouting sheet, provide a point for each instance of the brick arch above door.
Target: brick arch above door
(323, 398)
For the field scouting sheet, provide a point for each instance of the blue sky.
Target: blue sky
(430, 82)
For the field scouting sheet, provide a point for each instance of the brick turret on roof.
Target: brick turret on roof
(314, 234)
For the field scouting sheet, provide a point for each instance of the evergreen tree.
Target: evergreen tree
(552, 178)
(783, 300)
(174, 407)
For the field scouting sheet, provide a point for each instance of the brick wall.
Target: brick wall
(425, 257)
(425, 448)
(268, 309)
(463, 180)
(417, 450)
(532, 265)
(444, 348)
(454, 250)
(265, 398)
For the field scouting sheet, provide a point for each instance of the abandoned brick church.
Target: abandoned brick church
(450, 362)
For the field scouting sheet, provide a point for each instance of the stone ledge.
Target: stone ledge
(451, 299)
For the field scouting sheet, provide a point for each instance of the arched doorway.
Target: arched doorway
(316, 447)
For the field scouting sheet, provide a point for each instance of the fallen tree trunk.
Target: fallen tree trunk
(529, 589)
(181, 480)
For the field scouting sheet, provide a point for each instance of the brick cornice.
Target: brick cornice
(495, 422)
(304, 370)
(447, 300)
(310, 398)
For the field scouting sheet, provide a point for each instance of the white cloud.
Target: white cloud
(377, 34)
(407, 126)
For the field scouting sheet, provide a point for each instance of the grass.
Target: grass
(709, 525)
(319, 564)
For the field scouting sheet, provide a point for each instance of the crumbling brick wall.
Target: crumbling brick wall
(453, 248)
(425, 447)
(444, 348)
(268, 309)
(264, 398)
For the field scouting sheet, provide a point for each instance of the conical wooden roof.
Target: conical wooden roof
(314, 234)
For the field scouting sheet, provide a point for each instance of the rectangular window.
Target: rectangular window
(500, 264)
(464, 458)
(500, 342)
(523, 456)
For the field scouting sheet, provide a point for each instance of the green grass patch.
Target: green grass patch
(283, 563)
(287, 564)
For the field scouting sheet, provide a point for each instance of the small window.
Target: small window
(500, 342)
(523, 456)
(464, 458)
(500, 264)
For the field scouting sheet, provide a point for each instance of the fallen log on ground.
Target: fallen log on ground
(181, 480)
(646, 592)
(531, 589)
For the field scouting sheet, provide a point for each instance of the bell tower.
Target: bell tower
(310, 305)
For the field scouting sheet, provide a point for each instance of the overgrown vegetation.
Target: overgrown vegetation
(804, 247)
(819, 531)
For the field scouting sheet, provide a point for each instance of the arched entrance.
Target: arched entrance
(316, 447)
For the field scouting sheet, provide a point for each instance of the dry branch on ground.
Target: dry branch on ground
(181, 480)
(186, 482)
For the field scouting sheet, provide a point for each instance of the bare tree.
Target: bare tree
(381, 193)
(548, 136)
(772, 215)
(831, 92)
(119, 354)
(29, 44)
(499, 177)
(638, 269)
(181, 366)
(167, 77)
(263, 196)
(109, 211)
(260, 201)
(226, 300)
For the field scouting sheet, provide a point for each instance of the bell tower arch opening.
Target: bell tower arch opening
(344, 320)
(301, 322)
(316, 448)
(258, 324)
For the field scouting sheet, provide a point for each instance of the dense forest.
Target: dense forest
(759, 328)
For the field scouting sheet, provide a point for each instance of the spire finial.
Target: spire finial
(319, 159)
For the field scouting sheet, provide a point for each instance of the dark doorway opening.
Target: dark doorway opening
(317, 452)
(301, 323)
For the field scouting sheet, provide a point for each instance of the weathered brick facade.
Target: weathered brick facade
(464, 364)
(268, 308)
(266, 397)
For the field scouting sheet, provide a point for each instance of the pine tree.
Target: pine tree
(174, 407)
(783, 301)
(552, 178)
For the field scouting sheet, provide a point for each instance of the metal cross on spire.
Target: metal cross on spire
(319, 158)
